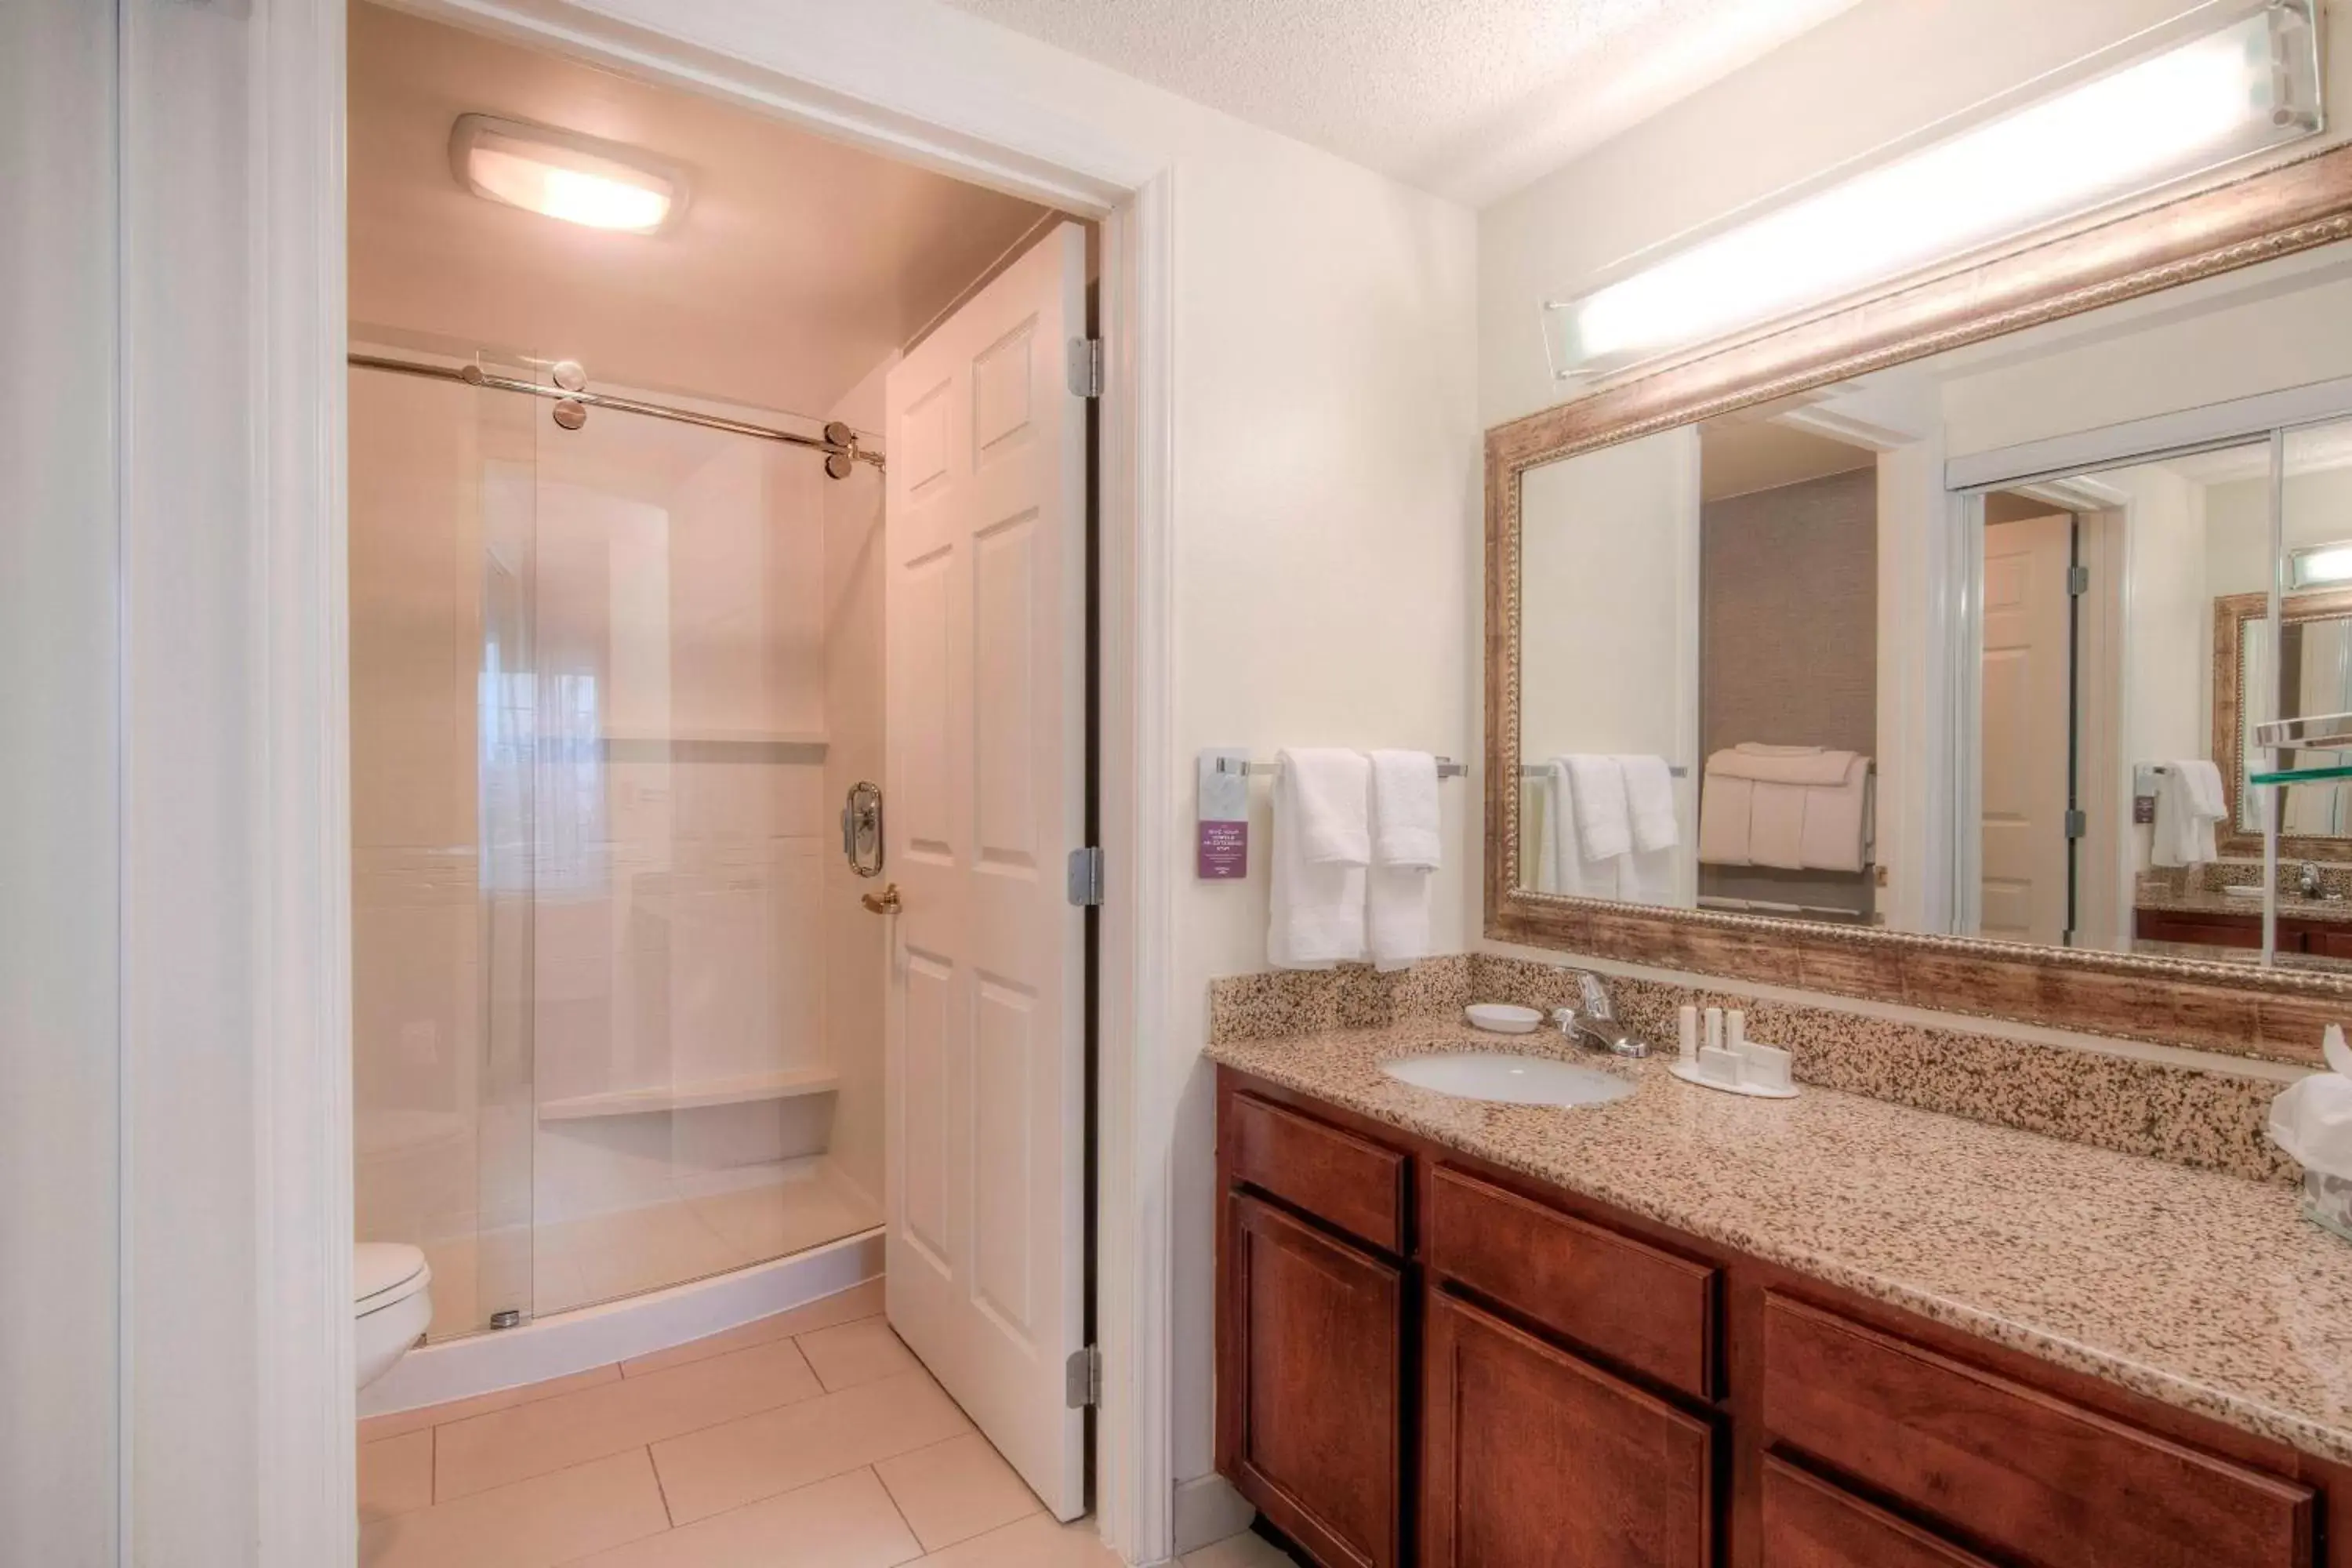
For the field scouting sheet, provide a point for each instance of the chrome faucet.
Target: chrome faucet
(2306, 880)
(1595, 1020)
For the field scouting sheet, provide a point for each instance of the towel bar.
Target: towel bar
(1536, 770)
(1447, 768)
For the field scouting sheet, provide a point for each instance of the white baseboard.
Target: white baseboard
(1208, 1509)
(598, 1336)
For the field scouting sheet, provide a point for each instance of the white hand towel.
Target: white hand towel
(2188, 804)
(2204, 781)
(1835, 833)
(1405, 850)
(1404, 810)
(1650, 798)
(1571, 873)
(1322, 844)
(1604, 823)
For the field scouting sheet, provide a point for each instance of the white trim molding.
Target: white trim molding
(1135, 1166)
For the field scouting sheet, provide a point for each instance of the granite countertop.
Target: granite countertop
(2205, 1291)
(2211, 901)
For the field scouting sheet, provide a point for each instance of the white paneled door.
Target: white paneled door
(2027, 718)
(984, 794)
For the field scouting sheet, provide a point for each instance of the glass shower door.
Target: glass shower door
(686, 1097)
(508, 720)
(442, 498)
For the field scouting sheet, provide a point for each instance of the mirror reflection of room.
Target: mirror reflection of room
(1970, 645)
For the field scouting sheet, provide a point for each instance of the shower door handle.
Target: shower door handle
(861, 828)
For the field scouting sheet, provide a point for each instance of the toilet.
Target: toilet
(391, 1284)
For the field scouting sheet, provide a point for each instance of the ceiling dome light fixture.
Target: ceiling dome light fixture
(2183, 108)
(563, 174)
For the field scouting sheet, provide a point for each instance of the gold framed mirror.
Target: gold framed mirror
(2146, 265)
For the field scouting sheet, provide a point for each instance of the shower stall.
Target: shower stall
(598, 896)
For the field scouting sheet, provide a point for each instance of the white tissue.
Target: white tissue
(2313, 1119)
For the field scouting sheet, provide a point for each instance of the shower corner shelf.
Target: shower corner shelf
(691, 1096)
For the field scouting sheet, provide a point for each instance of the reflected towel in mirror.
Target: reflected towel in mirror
(2189, 802)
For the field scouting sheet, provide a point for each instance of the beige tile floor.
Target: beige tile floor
(811, 1439)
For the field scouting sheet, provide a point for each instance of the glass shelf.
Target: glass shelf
(2302, 775)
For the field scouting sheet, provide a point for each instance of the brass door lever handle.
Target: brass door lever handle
(884, 902)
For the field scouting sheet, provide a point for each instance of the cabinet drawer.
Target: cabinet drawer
(2022, 1471)
(1336, 1176)
(1808, 1523)
(1536, 1458)
(1628, 1300)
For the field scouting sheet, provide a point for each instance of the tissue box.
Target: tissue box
(2328, 1202)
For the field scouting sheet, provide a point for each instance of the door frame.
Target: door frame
(816, 69)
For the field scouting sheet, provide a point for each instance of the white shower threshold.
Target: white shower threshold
(587, 1337)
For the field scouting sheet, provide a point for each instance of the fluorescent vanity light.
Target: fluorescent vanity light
(562, 175)
(2316, 565)
(2246, 88)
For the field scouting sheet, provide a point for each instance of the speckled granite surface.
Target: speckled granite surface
(2206, 1291)
(2211, 1121)
(2152, 894)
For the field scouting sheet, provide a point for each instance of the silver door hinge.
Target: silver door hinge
(1083, 1379)
(1086, 877)
(1086, 367)
(2078, 579)
(2078, 824)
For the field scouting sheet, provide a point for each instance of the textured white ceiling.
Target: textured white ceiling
(1469, 97)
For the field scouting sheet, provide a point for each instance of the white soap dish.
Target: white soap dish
(1502, 1018)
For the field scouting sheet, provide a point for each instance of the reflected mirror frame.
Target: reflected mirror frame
(2141, 248)
(2232, 613)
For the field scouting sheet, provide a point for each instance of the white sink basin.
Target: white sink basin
(1512, 1079)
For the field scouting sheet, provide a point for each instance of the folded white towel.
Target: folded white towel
(2189, 802)
(1405, 850)
(1726, 803)
(1835, 837)
(1776, 826)
(1404, 810)
(1782, 764)
(1650, 799)
(1572, 873)
(2204, 782)
(1646, 876)
(1604, 823)
(1322, 844)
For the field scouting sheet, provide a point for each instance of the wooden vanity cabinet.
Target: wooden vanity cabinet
(1534, 1456)
(1312, 1417)
(1423, 1360)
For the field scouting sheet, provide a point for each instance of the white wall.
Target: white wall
(60, 674)
(2167, 627)
(1883, 70)
(1609, 618)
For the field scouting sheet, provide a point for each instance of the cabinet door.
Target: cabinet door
(1310, 1391)
(1808, 1523)
(1533, 1458)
